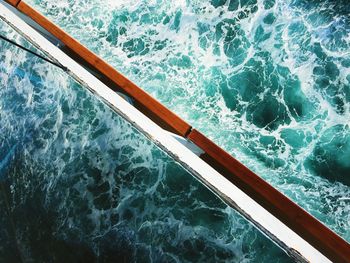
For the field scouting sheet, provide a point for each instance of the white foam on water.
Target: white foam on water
(78, 144)
(194, 91)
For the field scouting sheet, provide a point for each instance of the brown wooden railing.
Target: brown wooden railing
(13, 2)
(292, 215)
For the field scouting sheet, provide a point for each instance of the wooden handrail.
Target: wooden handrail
(149, 106)
(272, 200)
(292, 215)
(13, 2)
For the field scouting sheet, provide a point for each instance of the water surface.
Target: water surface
(78, 183)
(268, 80)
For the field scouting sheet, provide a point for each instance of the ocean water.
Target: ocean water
(268, 80)
(78, 183)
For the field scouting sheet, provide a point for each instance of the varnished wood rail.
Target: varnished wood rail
(292, 215)
(151, 107)
(13, 2)
(272, 200)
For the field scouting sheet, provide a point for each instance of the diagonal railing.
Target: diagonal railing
(292, 215)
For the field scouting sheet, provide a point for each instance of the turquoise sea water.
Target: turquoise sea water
(268, 80)
(78, 183)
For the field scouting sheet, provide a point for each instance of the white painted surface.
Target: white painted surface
(270, 225)
(187, 143)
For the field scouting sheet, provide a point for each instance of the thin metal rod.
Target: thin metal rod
(33, 53)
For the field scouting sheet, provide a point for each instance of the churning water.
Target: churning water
(79, 184)
(268, 80)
